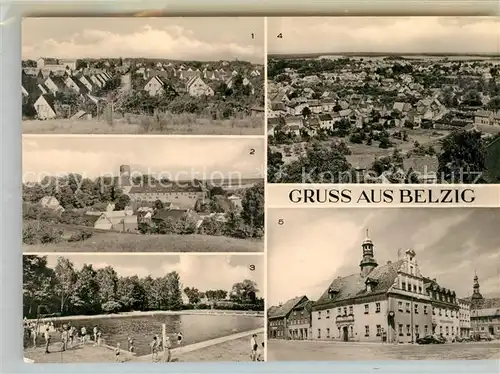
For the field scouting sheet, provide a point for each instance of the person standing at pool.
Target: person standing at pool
(117, 352)
(64, 338)
(154, 348)
(167, 354)
(179, 338)
(33, 335)
(131, 345)
(95, 334)
(47, 339)
(253, 346)
(83, 334)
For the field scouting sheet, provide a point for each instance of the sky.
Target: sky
(384, 34)
(189, 38)
(205, 272)
(314, 246)
(174, 158)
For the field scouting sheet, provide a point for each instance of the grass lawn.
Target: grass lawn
(119, 242)
(132, 124)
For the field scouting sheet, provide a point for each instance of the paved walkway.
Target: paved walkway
(204, 344)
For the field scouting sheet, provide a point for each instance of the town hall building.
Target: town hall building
(390, 303)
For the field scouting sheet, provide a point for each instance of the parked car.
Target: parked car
(429, 339)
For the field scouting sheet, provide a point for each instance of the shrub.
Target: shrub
(80, 236)
(111, 307)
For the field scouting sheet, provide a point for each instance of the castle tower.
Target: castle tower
(476, 295)
(368, 263)
(124, 180)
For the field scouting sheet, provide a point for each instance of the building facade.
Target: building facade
(464, 318)
(445, 310)
(484, 314)
(386, 303)
(281, 324)
(299, 321)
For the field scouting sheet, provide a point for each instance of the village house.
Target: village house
(276, 109)
(278, 319)
(486, 117)
(121, 221)
(294, 124)
(155, 86)
(45, 107)
(50, 202)
(196, 87)
(484, 314)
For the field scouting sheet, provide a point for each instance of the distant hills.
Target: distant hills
(377, 54)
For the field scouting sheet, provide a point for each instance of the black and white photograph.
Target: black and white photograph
(98, 308)
(383, 284)
(143, 75)
(142, 194)
(383, 100)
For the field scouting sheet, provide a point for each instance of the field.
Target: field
(422, 136)
(120, 242)
(182, 124)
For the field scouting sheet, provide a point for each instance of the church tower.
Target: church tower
(368, 263)
(476, 295)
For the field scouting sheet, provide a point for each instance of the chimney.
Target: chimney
(434, 280)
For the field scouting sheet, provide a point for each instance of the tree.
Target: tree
(193, 294)
(107, 280)
(158, 205)
(306, 112)
(253, 206)
(122, 203)
(463, 156)
(274, 164)
(244, 292)
(320, 164)
(494, 103)
(38, 281)
(173, 284)
(86, 295)
(66, 281)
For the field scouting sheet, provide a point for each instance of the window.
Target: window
(327, 332)
(452, 330)
(426, 329)
(425, 309)
(400, 306)
(327, 314)
(415, 308)
(377, 307)
(339, 311)
(408, 330)
(441, 329)
(400, 330)
(367, 308)
(294, 312)
(352, 331)
(350, 310)
(416, 330)
(367, 330)
(403, 286)
(447, 330)
(379, 330)
(345, 311)
(419, 289)
(440, 312)
(446, 312)
(407, 307)
(319, 333)
(411, 270)
(433, 311)
(319, 315)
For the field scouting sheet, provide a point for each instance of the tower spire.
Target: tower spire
(476, 294)
(368, 262)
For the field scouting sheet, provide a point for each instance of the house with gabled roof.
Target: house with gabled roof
(278, 319)
(196, 87)
(44, 106)
(55, 84)
(155, 86)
